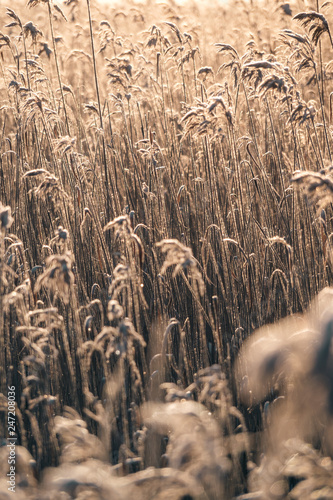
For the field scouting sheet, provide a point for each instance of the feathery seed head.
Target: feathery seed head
(115, 310)
(58, 276)
(181, 256)
(6, 218)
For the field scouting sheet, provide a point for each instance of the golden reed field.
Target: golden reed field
(166, 222)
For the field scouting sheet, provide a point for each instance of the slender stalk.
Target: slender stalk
(57, 67)
(99, 110)
(323, 114)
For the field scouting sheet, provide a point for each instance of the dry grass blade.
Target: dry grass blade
(34, 173)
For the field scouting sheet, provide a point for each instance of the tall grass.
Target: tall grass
(165, 189)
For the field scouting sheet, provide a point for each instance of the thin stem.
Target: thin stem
(99, 108)
(57, 67)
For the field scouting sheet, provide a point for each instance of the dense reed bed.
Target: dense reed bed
(166, 190)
